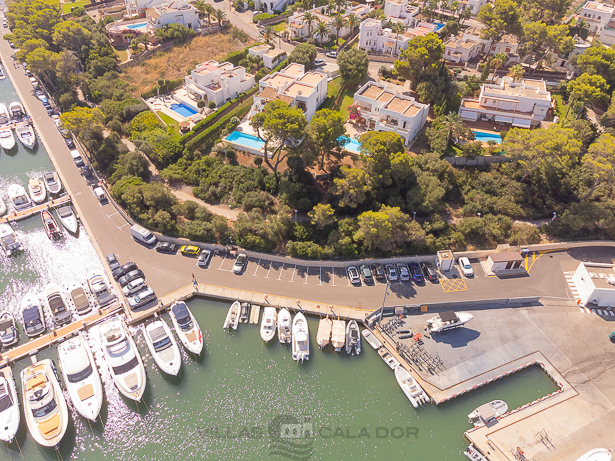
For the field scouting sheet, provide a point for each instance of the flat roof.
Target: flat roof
(372, 92)
(296, 88)
(312, 78)
(601, 274)
(293, 69)
(506, 257)
(398, 104)
(278, 80)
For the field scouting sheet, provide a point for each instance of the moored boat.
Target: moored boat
(268, 323)
(36, 187)
(488, 412)
(353, 338)
(388, 358)
(4, 114)
(245, 311)
(338, 334)
(8, 240)
(448, 320)
(26, 135)
(8, 331)
(68, 218)
(187, 328)
(371, 339)
(52, 182)
(99, 286)
(32, 315)
(323, 335)
(9, 406)
(7, 139)
(411, 388)
(57, 305)
(79, 298)
(301, 338)
(232, 317)
(2, 207)
(597, 454)
(163, 347)
(52, 229)
(285, 326)
(16, 110)
(18, 196)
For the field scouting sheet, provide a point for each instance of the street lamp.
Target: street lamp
(386, 292)
(295, 216)
(230, 211)
(554, 215)
(479, 215)
(414, 215)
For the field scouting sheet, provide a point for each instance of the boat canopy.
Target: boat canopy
(486, 412)
(181, 313)
(65, 212)
(449, 316)
(31, 315)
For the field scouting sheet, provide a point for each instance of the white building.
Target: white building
(269, 6)
(473, 5)
(383, 109)
(607, 34)
(295, 86)
(597, 15)
(595, 284)
(520, 104)
(271, 56)
(218, 82)
(300, 28)
(177, 12)
(373, 37)
(460, 49)
(399, 11)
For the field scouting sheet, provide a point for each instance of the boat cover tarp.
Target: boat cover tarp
(486, 412)
(5, 325)
(56, 303)
(448, 316)
(31, 316)
(65, 212)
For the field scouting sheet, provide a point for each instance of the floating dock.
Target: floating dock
(33, 210)
(255, 312)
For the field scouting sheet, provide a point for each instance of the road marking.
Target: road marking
(223, 259)
(599, 311)
(320, 275)
(333, 272)
(112, 214)
(307, 271)
(293, 276)
(281, 272)
(452, 285)
(348, 276)
(587, 311)
(120, 227)
(270, 264)
(255, 270)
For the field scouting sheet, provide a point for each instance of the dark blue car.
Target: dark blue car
(417, 273)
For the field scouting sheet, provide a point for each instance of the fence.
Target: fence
(478, 161)
(271, 21)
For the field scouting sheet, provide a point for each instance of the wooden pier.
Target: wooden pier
(33, 210)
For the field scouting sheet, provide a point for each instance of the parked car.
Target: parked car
(240, 264)
(256, 12)
(11, 44)
(466, 267)
(319, 62)
(391, 272)
(417, 274)
(123, 270)
(366, 274)
(204, 258)
(134, 287)
(378, 272)
(112, 261)
(142, 298)
(70, 143)
(353, 275)
(132, 275)
(167, 247)
(331, 54)
(28, 73)
(86, 171)
(430, 272)
(190, 250)
(404, 274)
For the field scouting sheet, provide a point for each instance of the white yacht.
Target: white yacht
(353, 338)
(4, 114)
(232, 317)
(187, 328)
(68, 218)
(163, 347)
(16, 110)
(2, 207)
(301, 338)
(99, 286)
(19, 197)
(79, 298)
(7, 139)
(285, 326)
(323, 335)
(411, 388)
(81, 376)
(57, 304)
(388, 358)
(268, 324)
(447, 321)
(338, 334)
(52, 182)
(123, 358)
(36, 187)
(8, 331)
(488, 412)
(9, 406)
(8, 240)
(32, 315)
(26, 135)
(45, 408)
(371, 339)
(597, 454)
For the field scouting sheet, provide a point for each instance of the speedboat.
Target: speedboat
(245, 310)
(597, 454)
(26, 135)
(79, 298)
(187, 328)
(371, 339)
(16, 110)
(488, 412)
(57, 305)
(285, 326)
(323, 336)
(447, 321)
(52, 182)
(338, 334)
(268, 323)
(9, 406)
(8, 240)
(388, 358)
(4, 115)
(8, 332)
(353, 338)
(2, 207)
(32, 315)
(81, 376)
(163, 347)
(68, 218)
(52, 229)
(18, 197)
(36, 187)
(99, 286)
(45, 408)
(411, 388)
(123, 358)
(7, 140)
(301, 338)
(232, 317)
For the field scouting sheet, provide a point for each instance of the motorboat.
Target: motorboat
(323, 335)
(488, 412)
(2, 207)
(68, 218)
(301, 338)
(81, 377)
(232, 317)
(447, 321)
(25, 134)
(32, 315)
(371, 339)
(52, 229)
(4, 115)
(268, 324)
(285, 326)
(18, 196)
(163, 347)
(338, 334)
(36, 187)
(7, 139)
(52, 182)
(187, 328)
(353, 338)
(45, 408)
(79, 298)
(9, 406)
(57, 305)
(8, 331)
(597, 454)
(8, 240)
(473, 454)
(99, 286)
(16, 110)
(123, 358)
(411, 388)
(245, 311)
(388, 358)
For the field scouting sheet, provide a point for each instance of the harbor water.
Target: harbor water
(241, 399)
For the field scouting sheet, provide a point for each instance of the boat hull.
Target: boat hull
(301, 338)
(285, 326)
(172, 366)
(191, 339)
(10, 417)
(268, 324)
(232, 317)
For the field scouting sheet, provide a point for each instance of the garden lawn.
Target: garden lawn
(562, 108)
(330, 45)
(122, 54)
(333, 90)
(169, 121)
(279, 27)
(68, 5)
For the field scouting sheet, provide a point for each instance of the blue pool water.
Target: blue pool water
(183, 110)
(484, 137)
(439, 26)
(244, 139)
(352, 145)
(137, 26)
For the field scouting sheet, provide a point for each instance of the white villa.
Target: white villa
(383, 109)
(597, 15)
(372, 37)
(473, 5)
(269, 6)
(301, 89)
(399, 11)
(218, 82)
(177, 12)
(300, 29)
(520, 104)
(469, 44)
(271, 56)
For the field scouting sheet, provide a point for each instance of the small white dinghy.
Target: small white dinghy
(19, 197)
(338, 335)
(411, 388)
(232, 317)
(16, 110)
(163, 347)
(285, 326)
(8, 331)
(52, 182)
(388, 358)
(68, 218)
(301, 338)
(7, 140)
(371, 339)
(268, 323)
(8, 240)
(36, 187)
(187, 328)
(9, 406)
(353, 338)
(26, 135)
(323, 335)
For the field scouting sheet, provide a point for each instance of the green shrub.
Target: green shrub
(200, 104)
(208, 136)
(133, 110)
(263, 16)
(211, 105)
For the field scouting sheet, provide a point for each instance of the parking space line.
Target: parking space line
(281, 272)
(120, 227)
(270, 264)
(256, 269)
(293, 276)
(320, 275)
(112, 214)
(223, 259)
(349, 284)
(333, 272)
(307, 271)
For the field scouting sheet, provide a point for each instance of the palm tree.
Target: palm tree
(269, 33)
(498, 61)
(209, 11)
(516, 72)
(339, 4)
(200, 5)
(398, 28)
(322, 30)
(339, 22)
(309, 19)
(219, 15)
(454, 126)
(353, 21)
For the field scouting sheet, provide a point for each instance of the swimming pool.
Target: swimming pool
(142, 26)
(183, 110)
(245, 140)
(485, 137)
(352, 145)
(439, 26)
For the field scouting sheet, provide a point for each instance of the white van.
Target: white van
(76, 157)
(141, 234)
(99, 192)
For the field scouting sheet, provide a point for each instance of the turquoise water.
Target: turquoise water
(351, 145)
(485, 137)
(142, 26)
(183, 110)
(439, 26)
(246, 140)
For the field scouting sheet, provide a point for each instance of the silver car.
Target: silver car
(353, 275)
(134, 287)
(240, 264)
(391, 272)
(203, 258)
(142, 298)
(404, 274)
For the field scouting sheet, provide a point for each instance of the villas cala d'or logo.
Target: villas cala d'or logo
(290, 438)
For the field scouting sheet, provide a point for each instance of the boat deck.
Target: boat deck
(255, 312)
(33, 210)
(323, 336)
